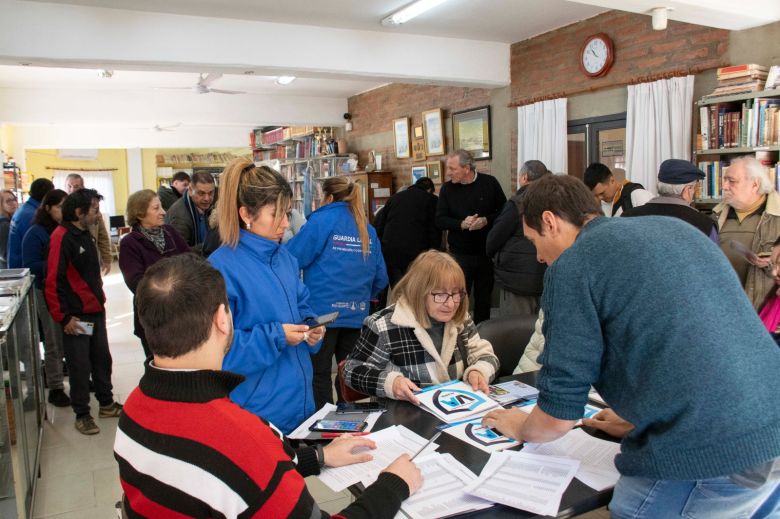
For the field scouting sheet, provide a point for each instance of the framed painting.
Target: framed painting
(471, 132)
(401, 133)
(418, 172)
(418, 132)
(433, 169)
(418, 149)
(434, 132)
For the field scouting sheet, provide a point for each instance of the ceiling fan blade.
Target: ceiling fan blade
(219, 91)
(209, 79)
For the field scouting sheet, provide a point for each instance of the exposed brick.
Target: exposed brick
(663, 48)
(691, 55)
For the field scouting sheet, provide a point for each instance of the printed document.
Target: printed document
(390, 443)
(512, 391)
(472, 432)
(525, 481)
(454, 401)
(597, 457)
(589, 411)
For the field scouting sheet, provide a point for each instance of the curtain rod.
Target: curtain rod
(82, 169)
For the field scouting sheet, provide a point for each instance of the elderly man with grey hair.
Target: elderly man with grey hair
(517, 271)
(749, 218)
(677, 182)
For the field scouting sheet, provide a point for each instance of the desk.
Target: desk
(578, 498)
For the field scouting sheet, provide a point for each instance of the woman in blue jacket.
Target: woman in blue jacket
(267, 298)
(343, 268)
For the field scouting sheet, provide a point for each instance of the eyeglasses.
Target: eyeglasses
(442, 297)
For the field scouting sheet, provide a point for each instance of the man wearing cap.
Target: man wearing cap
(677, 181)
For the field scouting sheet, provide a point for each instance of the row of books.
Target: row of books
(753, 123)
(711, 185)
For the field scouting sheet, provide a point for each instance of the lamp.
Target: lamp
(660, 17)
(410, 11)
(285, 80)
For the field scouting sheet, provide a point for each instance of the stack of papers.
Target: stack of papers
(454, 401)
(525, 481)
(472, 432)
(510, 392)
(390, 443)
(328, 412)
(597, 457)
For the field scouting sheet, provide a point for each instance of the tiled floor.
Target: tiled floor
(79, 477)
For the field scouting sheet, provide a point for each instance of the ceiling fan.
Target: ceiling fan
(169, 128)
(203, 86)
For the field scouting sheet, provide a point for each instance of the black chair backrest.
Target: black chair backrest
(509, 336)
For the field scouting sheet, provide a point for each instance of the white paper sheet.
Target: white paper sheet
(454, 401)
(390, 443)
(512, 391)
(525, 481)
(597, 457)
(442, 493)
(303, 432)
(484, 438)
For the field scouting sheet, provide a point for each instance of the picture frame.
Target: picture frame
(433, 130)
(418, 132)
(433, 169)
(418, 172)
(401, 134)
(418, 150)
(471, 132)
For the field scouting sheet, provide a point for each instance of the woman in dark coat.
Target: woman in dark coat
(149, 241)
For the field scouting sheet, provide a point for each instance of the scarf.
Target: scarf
(154, 235)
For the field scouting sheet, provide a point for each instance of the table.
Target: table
(578, 498)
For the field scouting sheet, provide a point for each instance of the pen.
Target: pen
(426, 445)
(337, 435)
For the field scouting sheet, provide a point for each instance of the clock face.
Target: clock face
(596, 55)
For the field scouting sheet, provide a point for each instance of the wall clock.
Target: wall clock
(596, 55)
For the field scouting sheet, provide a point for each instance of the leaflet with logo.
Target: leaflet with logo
(512, 391)
(589, 411)
(455, 400)
(474, 433)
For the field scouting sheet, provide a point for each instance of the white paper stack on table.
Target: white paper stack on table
(512, 391)
(472, 432)
(597, 457)
(525, 481)
(454, 401)
(390, 443)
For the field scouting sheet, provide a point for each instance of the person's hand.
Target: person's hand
(609, 422)
(341, 451)
(105, 267)
(72, 328)
(295, 333)
(478, 382)
(404, 468)
(403, 389)
(468, 222)
(478, 223)
(759, 262)
(507, 421)
(314, 335)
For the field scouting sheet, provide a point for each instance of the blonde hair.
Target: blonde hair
(137, 206)
(242, 184)
(432, 269)
(343, 189)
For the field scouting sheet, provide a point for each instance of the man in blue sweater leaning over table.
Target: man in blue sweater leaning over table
(670, 342)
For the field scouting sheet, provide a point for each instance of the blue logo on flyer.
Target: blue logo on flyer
(454, 401)
(485, 435)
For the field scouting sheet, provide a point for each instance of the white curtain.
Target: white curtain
(658, 127)
(541, 135)
(101, 181)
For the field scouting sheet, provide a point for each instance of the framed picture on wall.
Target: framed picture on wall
(433, 169)
(471, 132)
(418, 132)
(434, 132)
(418, 172)
(418, 149)
(401, 133)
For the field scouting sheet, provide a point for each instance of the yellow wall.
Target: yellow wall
(38, 160)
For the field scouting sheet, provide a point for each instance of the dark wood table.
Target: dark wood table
(578, 498)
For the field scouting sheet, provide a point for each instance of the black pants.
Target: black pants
(89, 354)
(339, 341)
(479, 283)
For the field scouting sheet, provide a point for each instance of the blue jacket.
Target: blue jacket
(35, 252)
(265, 291)
(338, 276)
(19, 224)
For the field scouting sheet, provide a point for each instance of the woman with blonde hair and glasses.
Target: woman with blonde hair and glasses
(343, 268)
(267, 298)
(427, 337)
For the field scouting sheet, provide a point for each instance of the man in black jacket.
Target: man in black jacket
(180, 182)
(406, 227)
(617, 196)
(517, 271)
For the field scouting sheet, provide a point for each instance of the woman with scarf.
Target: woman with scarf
(149, 241)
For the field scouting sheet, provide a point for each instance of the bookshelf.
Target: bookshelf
(733, 125)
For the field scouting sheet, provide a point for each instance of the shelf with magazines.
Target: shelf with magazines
(734, 125)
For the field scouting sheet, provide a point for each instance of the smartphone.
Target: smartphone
(85, 327)
(314, 322)
(337, 426)
(359, 407)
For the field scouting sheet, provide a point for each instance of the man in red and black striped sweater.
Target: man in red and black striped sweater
(185, 450)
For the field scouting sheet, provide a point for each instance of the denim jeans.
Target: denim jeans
(717, 498)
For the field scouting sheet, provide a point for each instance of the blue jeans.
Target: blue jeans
(715, 498)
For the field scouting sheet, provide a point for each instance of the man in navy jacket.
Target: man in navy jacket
(22, 220)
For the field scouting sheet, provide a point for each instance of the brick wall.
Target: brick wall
(547, 66)
(373, 113)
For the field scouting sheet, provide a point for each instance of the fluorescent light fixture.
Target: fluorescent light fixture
(285, 80)
(410, 11)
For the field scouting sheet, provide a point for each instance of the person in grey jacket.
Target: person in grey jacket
(168, 195)
(190, 214)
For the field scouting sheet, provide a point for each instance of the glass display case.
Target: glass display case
(21, 426)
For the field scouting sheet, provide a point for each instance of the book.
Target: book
(773, 78)
(455, 400)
